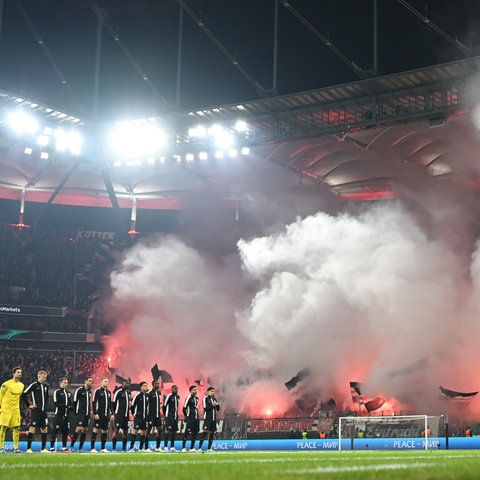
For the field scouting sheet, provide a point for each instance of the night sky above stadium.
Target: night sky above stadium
(46, 43)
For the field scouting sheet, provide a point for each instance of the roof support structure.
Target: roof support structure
(109, 186)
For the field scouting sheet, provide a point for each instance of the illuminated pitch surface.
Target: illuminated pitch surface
(456, 464)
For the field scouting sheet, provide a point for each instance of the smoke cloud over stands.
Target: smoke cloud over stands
(374, 297)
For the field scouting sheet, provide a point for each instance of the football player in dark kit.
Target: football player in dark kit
(154, 414)
(192, 422)
(102, 414)
(121, 409)
(36, 395)
(82, 406)
(62, 399)
(210, 409)
(140, 414)
(170, 412)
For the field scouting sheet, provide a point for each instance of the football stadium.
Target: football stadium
(239, 239)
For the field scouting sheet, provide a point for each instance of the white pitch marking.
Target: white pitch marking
(363, 468)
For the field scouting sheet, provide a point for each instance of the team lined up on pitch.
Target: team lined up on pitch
(150, 413)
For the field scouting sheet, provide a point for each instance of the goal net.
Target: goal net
(390, 427)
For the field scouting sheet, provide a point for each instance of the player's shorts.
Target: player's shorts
(171, 424)
(155, 422)
(83, 421)
(139, 423)
(121, 422)
(61, 423)
(102, 423)
(10, 420)
(38, 418)
(209, 425)
(192, 425)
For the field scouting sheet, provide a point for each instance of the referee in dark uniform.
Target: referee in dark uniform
(170, 412)
(210, 409)
(82, 406)
(62, 399)
(121, 410)
(192, 422)
(36, 394)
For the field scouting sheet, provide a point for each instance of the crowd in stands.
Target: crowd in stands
(52, 267)
(73, 365)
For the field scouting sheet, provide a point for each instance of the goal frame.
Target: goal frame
(352, 419)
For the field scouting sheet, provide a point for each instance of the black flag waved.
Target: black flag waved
(292, 383)
(456, 396)
(162, 375)
(356, 392)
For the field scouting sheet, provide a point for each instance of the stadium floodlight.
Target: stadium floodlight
(135, 163)
(189, 157)
(43, 140)
(28, 151)
(222, 139)
(129, 140)
(245, 151)
(23, 123)
(197, 132)
(219, 154)
(232, 152)
(241, 126)
(404, 431)
(44, 155)
(203, 155)
(68, 141)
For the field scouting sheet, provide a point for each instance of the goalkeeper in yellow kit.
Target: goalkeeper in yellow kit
(10, 394)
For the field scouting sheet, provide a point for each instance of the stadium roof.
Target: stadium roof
(362, 141)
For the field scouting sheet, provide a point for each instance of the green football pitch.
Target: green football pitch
(385, 465)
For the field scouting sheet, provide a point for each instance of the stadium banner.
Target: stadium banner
(94, 234)
(31, 310)
(258, 425)
(42, 336)
(455, 443)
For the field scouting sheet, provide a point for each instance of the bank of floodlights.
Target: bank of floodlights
(32, 136)
(137, 141)
(23, 123)
(132, 143)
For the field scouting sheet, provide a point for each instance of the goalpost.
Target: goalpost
(394, 426)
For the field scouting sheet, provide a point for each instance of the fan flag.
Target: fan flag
(119, 379)
(161, 374)
(456, 396)
(356, 392)
(374, 404)
(292, 383)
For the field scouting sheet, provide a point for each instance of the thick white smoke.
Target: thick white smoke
(372, 297)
